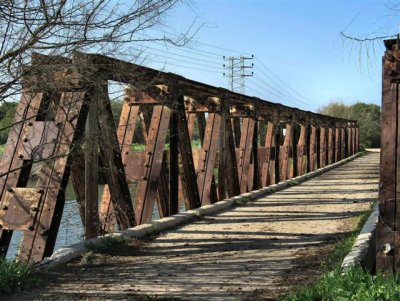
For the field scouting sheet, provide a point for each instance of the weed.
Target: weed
(88, 257)
(242, 201)
(356, 285)
(293, 182)
(16, 275)
(107, 245)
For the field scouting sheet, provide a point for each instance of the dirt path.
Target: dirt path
(253, 252)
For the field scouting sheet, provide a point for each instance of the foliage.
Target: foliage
(16, 275)
(60, 27)
(7, 111)
(367, 115)
(355, 285)
(107, 245)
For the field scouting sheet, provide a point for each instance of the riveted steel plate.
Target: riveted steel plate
(19, 208)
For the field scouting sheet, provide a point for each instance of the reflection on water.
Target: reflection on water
(71, 228)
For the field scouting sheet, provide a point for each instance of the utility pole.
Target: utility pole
(237, 72)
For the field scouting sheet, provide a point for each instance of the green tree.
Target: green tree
(7, 111)
(367, 115)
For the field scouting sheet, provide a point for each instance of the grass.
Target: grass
(356, 285)
(16, 275)
(2, 147)
(139, 147)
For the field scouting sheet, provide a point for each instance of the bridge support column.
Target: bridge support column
(388, 227)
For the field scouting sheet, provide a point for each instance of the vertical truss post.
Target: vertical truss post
(348, 142)
(301, 151)
(230, 175)
(91, 168)
(342, 143)
(245, 152)
(114, 170)
(125, 132)
(337, 144)
(154, 151)
(265, 169)
(11, 163)
(185, 148)
(312, 147)
(173, 164)
(322, 149)
(277, 160)
(207, 157)
(330, 145)
(284, 152)
(53, 178)
(388, 238)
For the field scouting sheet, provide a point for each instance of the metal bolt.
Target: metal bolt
(10, 190)
(392, 73)
(20, 156)
(41, 190)
(26, 140)
(5, 207)
(30, 124)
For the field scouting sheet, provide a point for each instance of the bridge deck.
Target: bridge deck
(255, 251)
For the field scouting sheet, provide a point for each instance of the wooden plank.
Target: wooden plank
(147, 188)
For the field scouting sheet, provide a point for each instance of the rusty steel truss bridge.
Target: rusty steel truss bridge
(64, 129)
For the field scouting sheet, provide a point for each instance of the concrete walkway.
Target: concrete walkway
(254, 252)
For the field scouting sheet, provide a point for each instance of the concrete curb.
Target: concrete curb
(363, 248)
(67, 254)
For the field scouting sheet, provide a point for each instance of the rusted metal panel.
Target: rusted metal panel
(284, 153)
(147, 188)
(245, 152)
(11, 163)
(125, 133)
(39, 242)
(337, 145)
(388, 188)
(188, 170)
(301, 151)
(313, 144)
(322, 148)
(265, 168)
(19, 208)
(330, 145)
(342, 143)
(207, 160)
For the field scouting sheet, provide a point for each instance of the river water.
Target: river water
(71, 229)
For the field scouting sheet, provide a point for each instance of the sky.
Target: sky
(300, 57)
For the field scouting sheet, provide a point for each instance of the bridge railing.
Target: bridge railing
(64, 129)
